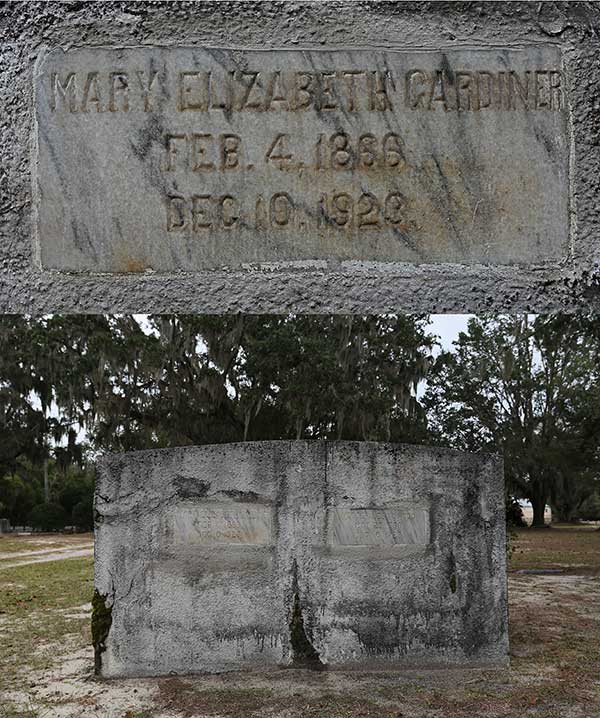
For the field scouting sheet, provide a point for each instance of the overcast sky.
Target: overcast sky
(447, 327)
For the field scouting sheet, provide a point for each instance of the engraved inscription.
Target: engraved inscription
(484, 90)
(376, 526)
(281, 91)
(214, 524)
(167, 159)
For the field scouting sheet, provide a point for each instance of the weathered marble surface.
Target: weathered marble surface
(405, 524)
(557, 281)
(220, 523)
(168, 159)
(391, 556)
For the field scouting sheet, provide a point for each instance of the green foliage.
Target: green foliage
(101, 623)
(215, 379)
(178, 380)
(528, 388)
(47, 517)
(525, 387)
(76, 496)
(589, 509)
(72, 492)
(82, 515)
(514, 513)
(20, 492)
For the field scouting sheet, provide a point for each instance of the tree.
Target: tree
(40, 393)
(52, 376)
(124, 383)
(21, 422)
(82, 515)
(257, 377)
(527, 388)
(20, 490)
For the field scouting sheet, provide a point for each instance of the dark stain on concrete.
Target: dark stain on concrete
(304, 654)
(190, 488)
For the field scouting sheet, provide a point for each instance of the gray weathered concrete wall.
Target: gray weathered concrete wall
(568, 280)
(263, 554)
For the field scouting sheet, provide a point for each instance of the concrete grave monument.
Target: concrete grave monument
(326, 157)
(318, 554)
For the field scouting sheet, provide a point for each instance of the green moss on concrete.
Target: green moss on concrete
(304, 653)
(101, 623)
(303, 650)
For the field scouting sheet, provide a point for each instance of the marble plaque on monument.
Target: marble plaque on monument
(220, 524)
(181, 159)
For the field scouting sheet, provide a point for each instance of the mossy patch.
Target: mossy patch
(304, 654)
(101, 623)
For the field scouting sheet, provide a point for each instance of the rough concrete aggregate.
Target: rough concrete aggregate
(28, 28)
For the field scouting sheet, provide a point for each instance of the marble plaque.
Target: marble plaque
(406, 525)
(220, 523)
(184, 159)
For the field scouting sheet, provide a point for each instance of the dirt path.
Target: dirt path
(44, 556)
(42, 551)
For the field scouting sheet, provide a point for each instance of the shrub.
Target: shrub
(83, 515)
(590, 508)
(514, 513)
(47, 517)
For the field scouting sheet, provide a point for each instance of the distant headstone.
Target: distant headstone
(317, 554)
(4, 526)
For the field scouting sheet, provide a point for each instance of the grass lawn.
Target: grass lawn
(46, 662)
(37, 604)
(575, 549)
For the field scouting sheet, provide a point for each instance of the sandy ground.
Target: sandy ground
(39, 552)
(43, 556)
(554, 673)
(23, 549)
(70, 690)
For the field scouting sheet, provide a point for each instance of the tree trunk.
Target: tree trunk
(46, 484)
(539, 505)
(561, 513)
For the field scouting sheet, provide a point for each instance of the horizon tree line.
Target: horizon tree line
(73, 386)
